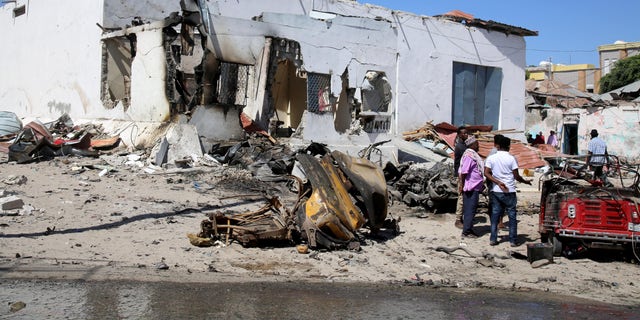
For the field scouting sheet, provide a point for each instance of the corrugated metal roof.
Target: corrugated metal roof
(560, 94)
(528, 157)
(631, 88)
(469, 20)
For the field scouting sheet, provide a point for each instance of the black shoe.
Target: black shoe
(470, 235)
(493, 243)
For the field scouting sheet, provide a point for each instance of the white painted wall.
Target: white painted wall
(148, 77)
(417, 53)
(52, 64)
(51, 59)
(53, 56)
(616, 125)
(428, 47)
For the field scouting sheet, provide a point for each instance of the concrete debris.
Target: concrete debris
(17, 306)
(15, 180)
(11, 203)
(184, 143)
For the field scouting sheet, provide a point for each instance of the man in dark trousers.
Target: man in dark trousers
(460, 147)
(502, 170)
(598, 157)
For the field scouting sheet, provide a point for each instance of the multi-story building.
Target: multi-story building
(584, 77)
(610, 53)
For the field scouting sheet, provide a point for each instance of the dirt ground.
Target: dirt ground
(81, 222)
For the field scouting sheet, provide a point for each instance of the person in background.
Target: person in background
(529, 138)
(539, 139)
(553, 139)
(471, 174)
(597, 157)
(502, 170)
(459, 149)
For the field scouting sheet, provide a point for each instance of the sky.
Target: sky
(569, 31)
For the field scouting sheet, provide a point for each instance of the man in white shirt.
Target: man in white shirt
(501, 169)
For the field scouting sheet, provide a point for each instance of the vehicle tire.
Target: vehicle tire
(556, 242)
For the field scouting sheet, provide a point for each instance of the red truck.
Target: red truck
(579, 212)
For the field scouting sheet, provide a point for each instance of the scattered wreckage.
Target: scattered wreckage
(40, 141)
(431, 187)
(579, 212)
(337, 195)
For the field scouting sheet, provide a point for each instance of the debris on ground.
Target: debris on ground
(337, 195)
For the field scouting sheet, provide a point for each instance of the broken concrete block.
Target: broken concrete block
(161, 156)
(11, 202)
(183, 142)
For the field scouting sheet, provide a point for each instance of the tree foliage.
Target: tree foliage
(624, 72)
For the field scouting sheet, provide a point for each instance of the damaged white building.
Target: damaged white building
(313, 67)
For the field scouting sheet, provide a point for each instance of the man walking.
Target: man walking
(597, 157)
(502, 170)
(460, 147)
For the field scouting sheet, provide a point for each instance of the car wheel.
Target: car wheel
(556, 242)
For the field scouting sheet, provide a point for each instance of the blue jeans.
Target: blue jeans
(469, 207)
(504, 201)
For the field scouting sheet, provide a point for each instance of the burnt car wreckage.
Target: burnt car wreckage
(341, 194)
(579, 212)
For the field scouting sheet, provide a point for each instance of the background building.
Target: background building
(610, 53)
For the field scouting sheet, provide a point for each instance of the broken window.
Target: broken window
(476, 94)
(233, 84)
(376, 92)
(288, 91)
(319, 97)
(376, 98)
(117, 56)
(184, 61)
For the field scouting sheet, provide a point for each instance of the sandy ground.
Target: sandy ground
(128, 224)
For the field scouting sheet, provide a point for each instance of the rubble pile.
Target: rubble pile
(41, 141)
(426, 185)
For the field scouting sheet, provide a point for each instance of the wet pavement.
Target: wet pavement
(46, 299)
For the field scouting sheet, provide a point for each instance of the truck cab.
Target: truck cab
(579, 211)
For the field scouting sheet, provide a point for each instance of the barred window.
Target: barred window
(233, 83)
(319, 98)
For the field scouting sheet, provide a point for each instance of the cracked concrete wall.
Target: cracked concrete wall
(616, 125)
(119, 13)
(347, 43)
(148, 78)
(416, 53)
(427, 48)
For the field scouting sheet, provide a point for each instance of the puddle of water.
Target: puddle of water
(137, 300)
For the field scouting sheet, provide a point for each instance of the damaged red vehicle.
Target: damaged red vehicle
(579, 212)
